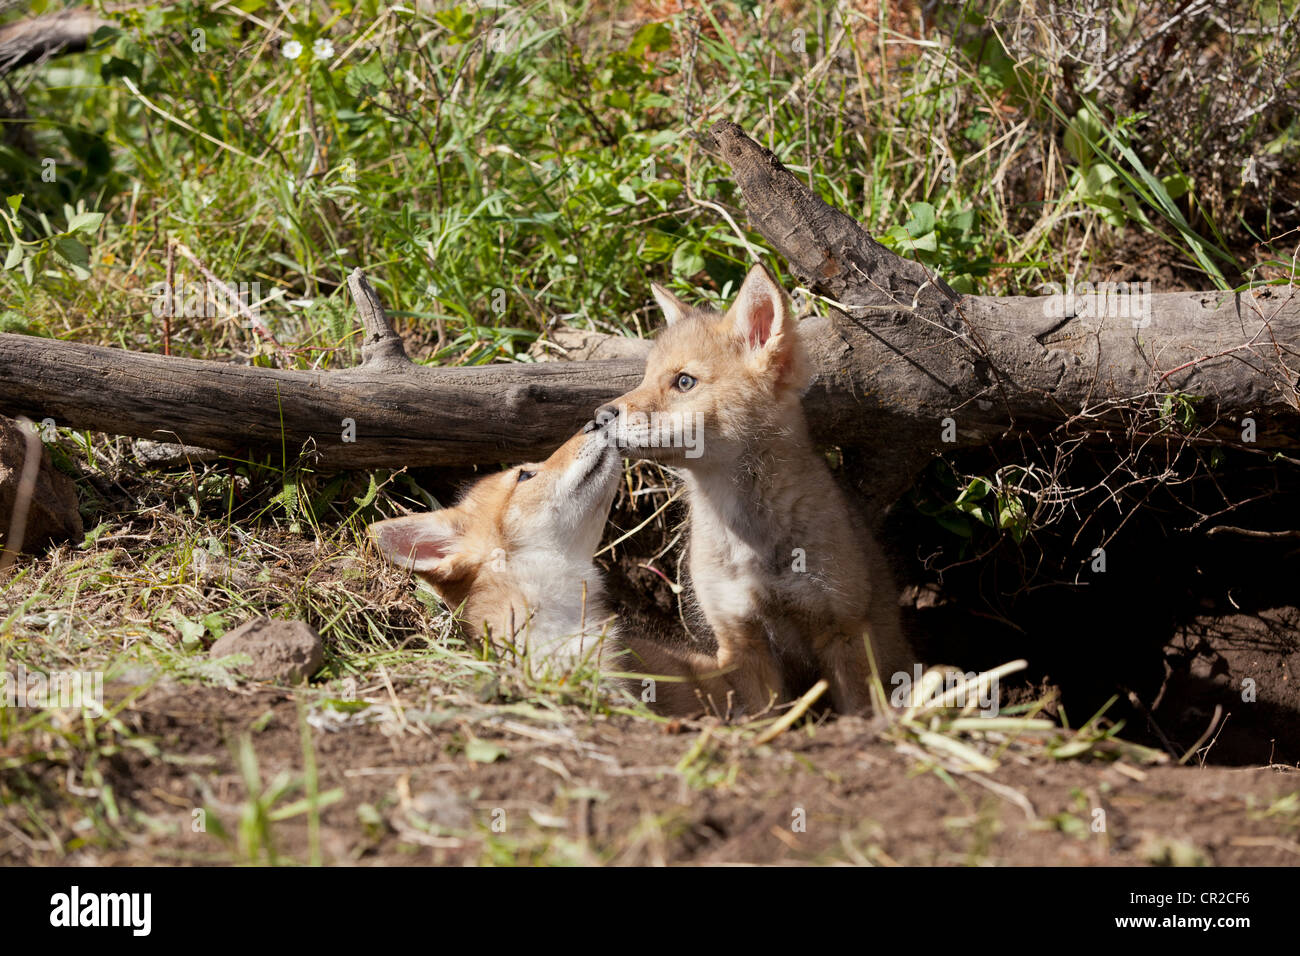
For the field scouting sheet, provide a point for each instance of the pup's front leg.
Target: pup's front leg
(746, 657)
(843, 662)
(694, 681)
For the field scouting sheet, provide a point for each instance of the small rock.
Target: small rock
(280, 650)
(164, 454)
(52, 514)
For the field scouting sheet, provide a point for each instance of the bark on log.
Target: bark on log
(902, 354)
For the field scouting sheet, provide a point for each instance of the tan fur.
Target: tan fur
(516, 558)
(758, 492)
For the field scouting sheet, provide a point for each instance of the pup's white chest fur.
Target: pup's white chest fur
(776, 554)
(564, 619)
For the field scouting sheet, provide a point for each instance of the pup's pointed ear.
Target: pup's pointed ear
(426, 544)
(761, 315)
(674, 308)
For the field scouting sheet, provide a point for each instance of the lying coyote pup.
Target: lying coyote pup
(783, 574)
(515, 555)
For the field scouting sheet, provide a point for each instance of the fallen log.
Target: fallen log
(387, 412)
(906, 367)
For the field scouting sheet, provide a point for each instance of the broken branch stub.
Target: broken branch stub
(381, 347)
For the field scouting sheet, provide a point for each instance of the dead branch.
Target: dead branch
(37, 38)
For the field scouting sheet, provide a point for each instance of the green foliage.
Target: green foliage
(1178, 410)
(948, 242)
(979, 507)
(63, 249)
(1112, 179)
(517, 164)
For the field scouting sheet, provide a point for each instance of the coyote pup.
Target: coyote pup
(786, 578)
(515, 555)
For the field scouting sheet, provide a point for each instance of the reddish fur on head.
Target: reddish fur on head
(749, 365)
(510, 544)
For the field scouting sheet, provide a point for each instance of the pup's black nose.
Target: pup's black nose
(604, 415)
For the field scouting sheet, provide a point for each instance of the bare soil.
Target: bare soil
(618, 790)
(1177, 631)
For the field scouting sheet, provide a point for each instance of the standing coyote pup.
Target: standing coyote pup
(785, 577)
(515, 556)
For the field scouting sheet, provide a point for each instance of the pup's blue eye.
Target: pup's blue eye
(684, 382)
(525, 475)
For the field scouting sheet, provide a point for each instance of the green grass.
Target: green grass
(490, 190)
